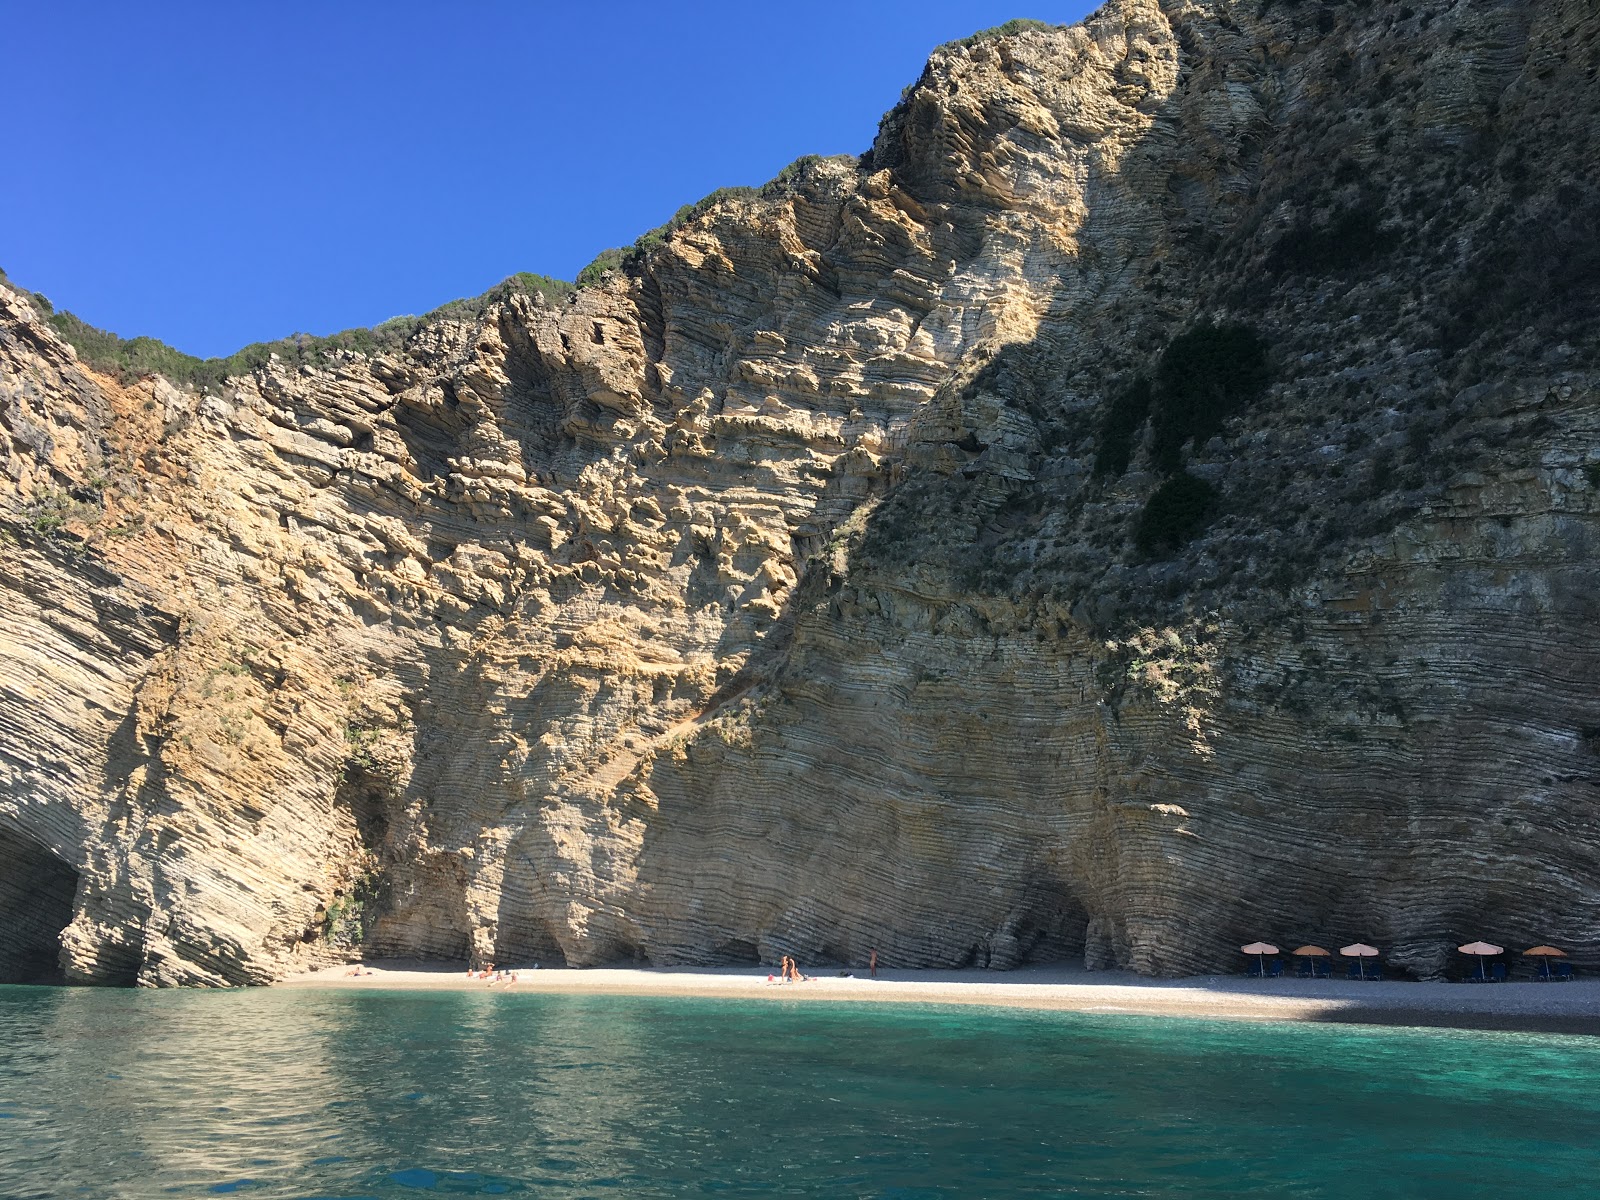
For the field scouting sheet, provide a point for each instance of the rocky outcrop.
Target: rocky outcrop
(1144, 504)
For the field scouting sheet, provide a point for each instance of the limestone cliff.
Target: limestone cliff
(1146, 503)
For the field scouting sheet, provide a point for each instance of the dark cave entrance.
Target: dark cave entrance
(36, 893)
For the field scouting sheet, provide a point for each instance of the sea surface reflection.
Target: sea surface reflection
(350, 1094)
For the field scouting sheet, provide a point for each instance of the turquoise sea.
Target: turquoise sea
(404, 1094)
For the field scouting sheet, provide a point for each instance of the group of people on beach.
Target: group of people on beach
(492, 976)
(792, 973)
(489, 974)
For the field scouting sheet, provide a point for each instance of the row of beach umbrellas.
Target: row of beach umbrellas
(1356, 950)
(1360, 951)
(1484, 951)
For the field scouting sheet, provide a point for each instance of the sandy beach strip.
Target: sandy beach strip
(1572, 1007)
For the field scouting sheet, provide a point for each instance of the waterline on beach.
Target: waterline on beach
(1531, 1007)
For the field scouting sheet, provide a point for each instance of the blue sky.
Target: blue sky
(217, 174)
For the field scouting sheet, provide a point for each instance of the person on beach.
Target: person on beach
(872, 962)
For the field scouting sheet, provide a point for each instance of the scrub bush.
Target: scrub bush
(1175, 513)
(1125, 416)
(1204, 377)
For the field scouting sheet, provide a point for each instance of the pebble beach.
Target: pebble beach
(1572, 1007)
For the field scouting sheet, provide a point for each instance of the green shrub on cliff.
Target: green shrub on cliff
(619, 256)
(1013, 26)
(350, 914)
(606, 260)
(129, 358)
(1204, 377)
(1347, 239)
(1125, 416)
(790, 174)
(1175, 513)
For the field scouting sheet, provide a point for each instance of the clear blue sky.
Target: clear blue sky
(214, 174)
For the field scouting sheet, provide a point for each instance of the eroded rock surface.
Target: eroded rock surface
(779, 594)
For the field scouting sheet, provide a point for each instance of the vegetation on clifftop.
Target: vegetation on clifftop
(1009, 28)
(126, 359)
(609, 260)
(619, 256)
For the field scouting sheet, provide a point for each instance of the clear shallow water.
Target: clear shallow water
(406, 1094)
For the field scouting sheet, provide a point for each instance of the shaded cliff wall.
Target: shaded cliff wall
(780, 595)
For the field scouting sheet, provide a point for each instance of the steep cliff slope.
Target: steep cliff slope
(1146, 503)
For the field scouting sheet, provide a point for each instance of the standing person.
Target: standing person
(788, 968)
(872, 962)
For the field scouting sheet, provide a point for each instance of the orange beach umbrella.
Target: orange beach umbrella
(1542, 953)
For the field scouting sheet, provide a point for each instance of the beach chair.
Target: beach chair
(1304, 968)
(1498, 973)
(1275, 968)
(1563, 970)
(1321, 969)
(1354, 971)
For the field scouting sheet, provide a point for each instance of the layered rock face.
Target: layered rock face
(849, 572)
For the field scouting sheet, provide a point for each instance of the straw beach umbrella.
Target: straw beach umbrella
(1260, 950)
(1481, 951)
(1359, 951)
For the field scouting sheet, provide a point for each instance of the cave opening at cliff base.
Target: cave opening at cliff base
(36, 894)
